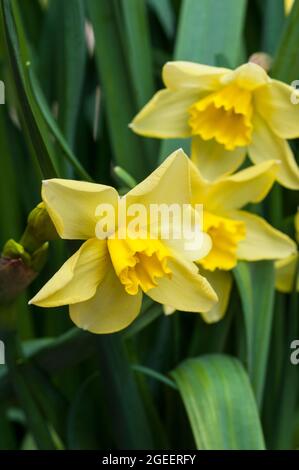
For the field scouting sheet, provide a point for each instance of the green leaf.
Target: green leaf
(154, 375)
(8, 440)
(19, 57)
(219, 402)
(122, 396)
(9, 207)
(165, 14)
(138, 49)
(71, 58)
(117, 89)
(286, 63)
(255, 282)
(273, 22)
(52, 126)
(220, 22)
(35, 420)
(88, 424)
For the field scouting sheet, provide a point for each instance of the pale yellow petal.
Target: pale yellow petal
(195, 246)
(285, 270)
(110, 310)
(221, 281)
(247, 186)
(249, 76)
(166, 114)
(187, 290)
(262, 241)
(168, 310)
(72, 205)
(77, 279)
(268, 146)
(275, 102)
(181, 74)
(288, 5)
(213, 160)
(168, 184)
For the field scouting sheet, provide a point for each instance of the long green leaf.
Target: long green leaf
(126, 410)
(35, 420)
(138, 49)
(19, 60)
(219, 402)
(256, 287)
(221, 22)
(118, 95)
(286, 63)
(71, 65)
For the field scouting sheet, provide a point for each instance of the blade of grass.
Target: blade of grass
(19, 60)
(255, 282)
(219, 402)
(286, 61)
(35, 421)
(118, 96)
(126, 411)
(71, 65)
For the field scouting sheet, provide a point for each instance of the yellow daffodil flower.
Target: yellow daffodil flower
(104, 280)
(286, 269)
(235, 233)
(228, 113)
(288, 5)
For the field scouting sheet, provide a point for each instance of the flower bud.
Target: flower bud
(15, 276)
(262, 59)
(39, 230)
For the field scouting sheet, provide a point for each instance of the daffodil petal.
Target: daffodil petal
(72, 205)
(187, 290)
(182, 74)
(213, 160)
(296, 223)
(189, 248)
(168, 184)
(262, 241)
(274, 103)
(268, 146)
(285, 270)
(110, 310)
(222, 283)
(249, 185)
(77, 279)
(166, 114)
(249, 76)
(288, 5)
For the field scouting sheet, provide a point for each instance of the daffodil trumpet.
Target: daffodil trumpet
(103, 282)
(228, 114)
(236, 234)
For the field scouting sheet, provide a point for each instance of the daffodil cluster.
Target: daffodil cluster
(228, 114)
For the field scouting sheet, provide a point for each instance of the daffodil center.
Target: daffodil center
(225, 116)
(225, 234)
(139, 262)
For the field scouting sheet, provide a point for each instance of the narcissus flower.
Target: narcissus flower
(104, 280)
(228, 113)
(288, 5)
(236, 234)
(286, 269)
